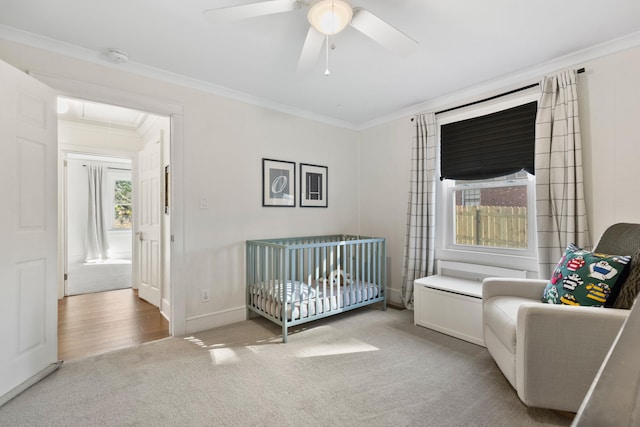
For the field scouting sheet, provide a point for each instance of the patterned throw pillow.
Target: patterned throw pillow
(631, 287)
(585, 278)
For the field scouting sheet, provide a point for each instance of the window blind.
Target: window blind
(489, 146)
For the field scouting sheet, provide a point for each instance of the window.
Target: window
(122, 204)
(493, 212)
(120, 192)
(486, 191)
(469, 197)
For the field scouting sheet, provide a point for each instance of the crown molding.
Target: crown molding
(513, 80)
(88, 55)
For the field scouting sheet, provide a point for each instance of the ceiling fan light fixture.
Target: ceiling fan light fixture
(330, 16)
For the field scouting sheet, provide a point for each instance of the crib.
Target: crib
(291, 281)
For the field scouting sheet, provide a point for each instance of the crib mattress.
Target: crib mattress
(303, 300)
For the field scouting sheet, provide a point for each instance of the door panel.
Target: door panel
(149, 232)
(28, 227)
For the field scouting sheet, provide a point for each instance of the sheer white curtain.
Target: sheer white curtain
(560, 206)
(419, 243)
(96, 240)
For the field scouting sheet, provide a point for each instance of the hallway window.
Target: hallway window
(122, 205)
(120, 195)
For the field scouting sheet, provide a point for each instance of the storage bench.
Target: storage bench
(451, 301)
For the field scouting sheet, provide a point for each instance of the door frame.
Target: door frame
(96, 93)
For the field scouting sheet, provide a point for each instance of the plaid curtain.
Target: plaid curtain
(419, 238)
(560, 206)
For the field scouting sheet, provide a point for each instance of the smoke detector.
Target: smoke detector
(116, 56)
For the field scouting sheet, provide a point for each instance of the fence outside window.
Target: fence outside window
(495, 226)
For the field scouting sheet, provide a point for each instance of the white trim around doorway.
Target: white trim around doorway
(96, 93)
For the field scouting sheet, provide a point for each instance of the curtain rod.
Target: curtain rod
(117, 169)
(578, 71)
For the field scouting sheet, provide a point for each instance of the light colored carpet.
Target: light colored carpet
(86, 278)
(362, 368)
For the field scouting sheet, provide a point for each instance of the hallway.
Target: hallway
(100, 322)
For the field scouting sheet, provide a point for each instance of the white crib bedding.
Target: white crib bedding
(294, 291)
(303, 300)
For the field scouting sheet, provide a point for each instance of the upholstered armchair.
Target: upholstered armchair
(551, 353)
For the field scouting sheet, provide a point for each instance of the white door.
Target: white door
(28, 228)
(149, 228)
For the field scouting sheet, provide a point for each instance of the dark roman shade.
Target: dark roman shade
(489, 146)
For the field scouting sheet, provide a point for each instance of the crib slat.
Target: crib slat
(301, 273)
(283, 305)
(365, 264)
(353, 258)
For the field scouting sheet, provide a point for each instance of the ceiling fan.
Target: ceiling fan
(326, 17)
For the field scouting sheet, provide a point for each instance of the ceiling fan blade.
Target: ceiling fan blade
(382, 32)
(250, 10)
(310, 50)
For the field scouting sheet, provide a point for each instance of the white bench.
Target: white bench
(451, 301)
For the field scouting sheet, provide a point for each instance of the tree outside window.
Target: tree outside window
(122, 205)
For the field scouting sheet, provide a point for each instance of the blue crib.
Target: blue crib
(291, 281)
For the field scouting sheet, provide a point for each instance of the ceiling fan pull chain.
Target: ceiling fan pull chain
(327, 72)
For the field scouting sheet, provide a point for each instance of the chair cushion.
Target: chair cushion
(585, 278)
(500, 315)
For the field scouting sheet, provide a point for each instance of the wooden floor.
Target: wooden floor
(100, 322)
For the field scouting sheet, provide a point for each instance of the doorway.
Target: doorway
(101, 236)
(99, 223)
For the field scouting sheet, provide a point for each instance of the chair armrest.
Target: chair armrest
(559, 350)
(501, 286)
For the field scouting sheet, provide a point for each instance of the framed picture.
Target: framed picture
(313, 186)
(278, 183)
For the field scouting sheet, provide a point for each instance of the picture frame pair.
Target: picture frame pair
(279, 184)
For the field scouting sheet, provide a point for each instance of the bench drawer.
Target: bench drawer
(450, 313)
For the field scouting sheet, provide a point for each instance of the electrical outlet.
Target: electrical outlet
(204, 204)
(205, 295)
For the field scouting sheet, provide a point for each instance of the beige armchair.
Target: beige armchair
(551, 353)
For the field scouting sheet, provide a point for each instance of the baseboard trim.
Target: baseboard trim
(165, 309)
(215, 320)
(394, 297)
(395, 306)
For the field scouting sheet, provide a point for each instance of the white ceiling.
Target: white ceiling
(463, 43)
